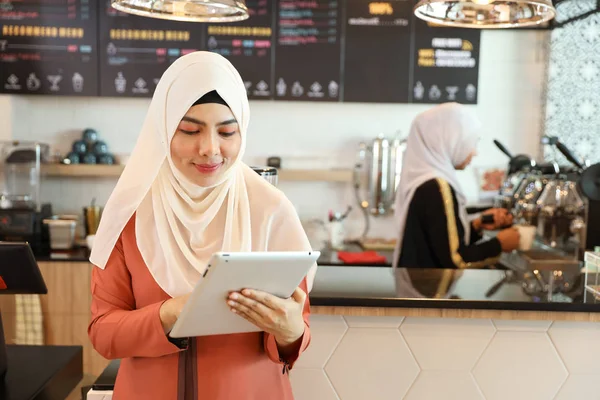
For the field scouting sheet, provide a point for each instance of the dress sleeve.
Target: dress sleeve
(117, 329)
(287, 234)
(440, 215)
(476, 236)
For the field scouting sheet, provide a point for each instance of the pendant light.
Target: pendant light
(186, 10)
(485, 13)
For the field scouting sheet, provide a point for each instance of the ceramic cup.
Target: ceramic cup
(527, 233)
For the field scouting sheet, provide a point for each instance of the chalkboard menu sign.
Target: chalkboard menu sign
(48, 47)
(446, 64)
(135, 51)
(376, 66)
(248, 45)
(307, 55)
(305, 50)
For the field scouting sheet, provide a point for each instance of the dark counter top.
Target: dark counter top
(41, 372)
(489, 289)
(77, 254)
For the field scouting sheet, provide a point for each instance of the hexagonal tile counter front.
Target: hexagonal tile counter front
(311, 384)
(444, 385)
(326, 333)
(520, 366)
(577, 345)
(372, 363)
(447, 344)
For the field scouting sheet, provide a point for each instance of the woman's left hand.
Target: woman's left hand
(280, 317)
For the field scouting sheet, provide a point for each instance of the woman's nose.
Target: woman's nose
(209, 144)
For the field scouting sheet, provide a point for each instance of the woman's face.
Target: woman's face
(206, 143)
(466, 163)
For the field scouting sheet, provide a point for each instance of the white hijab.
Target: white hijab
(439, 140)
(174, 218)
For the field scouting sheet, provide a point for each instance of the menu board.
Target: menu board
(48, 47)
(248, 45)
(135, 51)
(307, 50)
(376, 66)
(446, 64)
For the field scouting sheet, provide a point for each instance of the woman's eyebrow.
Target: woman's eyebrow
(197, 121)
(193, 120)
(228, 122)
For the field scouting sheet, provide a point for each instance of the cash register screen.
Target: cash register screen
(19, 272)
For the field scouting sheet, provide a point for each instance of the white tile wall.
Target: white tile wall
(373, 322)
(326, 135)
(510, 325)
(425, 359)
(372, 362)
(580, 386)
(327, 332)
(445, 385)
(457, 349)
(520, 365)
(578, 345)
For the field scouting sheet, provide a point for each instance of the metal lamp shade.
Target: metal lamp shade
(186, 10)
(485, 14)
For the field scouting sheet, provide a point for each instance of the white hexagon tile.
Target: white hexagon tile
(311, 384)
(372, 363)
(373, 322)
(439, 385)
(520, 366)
(326, 333)
(519, 325)
(580, 386)
(447, 344)
(578, 344)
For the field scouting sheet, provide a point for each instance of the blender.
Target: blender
(21, 210)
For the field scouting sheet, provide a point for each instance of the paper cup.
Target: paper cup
(527, 235)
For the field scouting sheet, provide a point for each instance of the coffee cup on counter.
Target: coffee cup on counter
(527, 236)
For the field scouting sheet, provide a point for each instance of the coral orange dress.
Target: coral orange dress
(126, 325)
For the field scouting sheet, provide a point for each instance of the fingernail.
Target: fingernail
(233, 310)
(231, 303)
(246, 292)
(233, 296)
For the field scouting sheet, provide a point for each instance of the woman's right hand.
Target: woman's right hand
(509, 239)
(170, 310)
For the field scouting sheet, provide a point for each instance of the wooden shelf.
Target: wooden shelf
(321, 175)
(114, 171)
(82, 170)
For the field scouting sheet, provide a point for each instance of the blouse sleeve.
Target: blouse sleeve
(287, 234)
(441, 218)
(118, 329)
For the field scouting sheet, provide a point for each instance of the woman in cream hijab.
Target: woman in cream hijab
(184, 195)
(434, 230)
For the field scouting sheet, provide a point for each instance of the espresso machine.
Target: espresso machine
(562, 202)
(21, 210)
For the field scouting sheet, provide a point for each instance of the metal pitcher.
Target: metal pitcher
(382, 162)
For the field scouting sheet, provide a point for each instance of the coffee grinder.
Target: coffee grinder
(21, 210)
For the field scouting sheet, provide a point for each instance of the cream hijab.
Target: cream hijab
(178, 224)
(439, 139)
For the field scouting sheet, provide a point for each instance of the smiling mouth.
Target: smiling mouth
(207, 168)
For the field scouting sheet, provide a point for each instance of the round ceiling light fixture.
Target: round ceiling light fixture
(484, 14)
(185, 10)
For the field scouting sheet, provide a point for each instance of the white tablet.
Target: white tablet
(206, 311)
